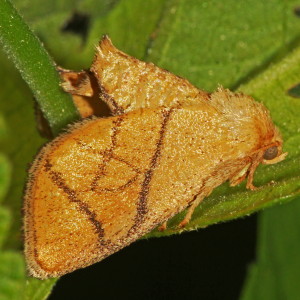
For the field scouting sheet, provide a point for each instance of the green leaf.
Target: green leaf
(37, 289)
(5, 216)
(223, 42)
(35, 66)
(20, 142)
(12, 275)
(275, 275)
(5, 221)
(5, 174)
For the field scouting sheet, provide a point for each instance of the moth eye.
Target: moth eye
(271, 153)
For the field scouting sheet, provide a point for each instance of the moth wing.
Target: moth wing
(84, 89)
(125, 83)
(84, 192)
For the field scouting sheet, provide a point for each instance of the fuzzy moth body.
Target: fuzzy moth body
(108, 181)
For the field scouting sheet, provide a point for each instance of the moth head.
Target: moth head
(250, 121)
(263, 139)
(272, 153)
(267, 141)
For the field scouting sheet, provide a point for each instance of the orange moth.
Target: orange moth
(108, 181)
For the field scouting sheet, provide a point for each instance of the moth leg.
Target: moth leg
(192, 207)
(236, 181)
(239, 176)
(163, 226)
(190, 211)
(249, 184)
(252, 169)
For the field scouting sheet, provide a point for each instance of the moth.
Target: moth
(105, 182)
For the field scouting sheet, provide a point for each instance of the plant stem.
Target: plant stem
(36, 67)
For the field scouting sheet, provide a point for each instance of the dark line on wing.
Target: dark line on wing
(119, 188)
(115, 108)
(134, 168)
(82, 207)
(142, 208)
(108, 153)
